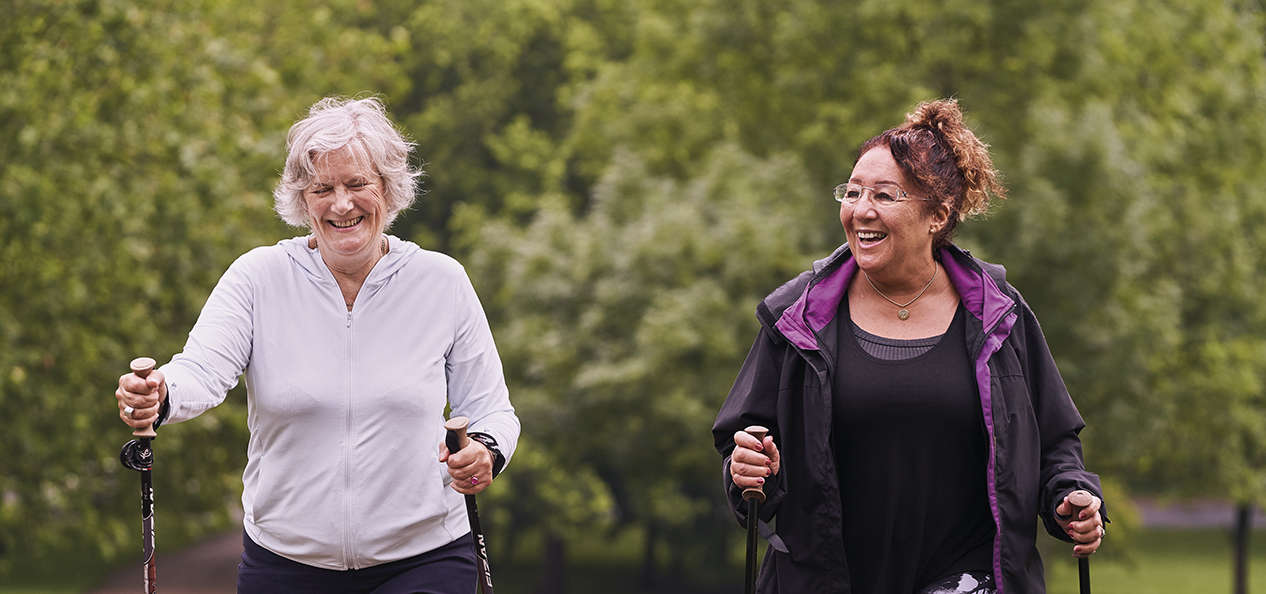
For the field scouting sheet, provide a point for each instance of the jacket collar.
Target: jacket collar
(801, 310)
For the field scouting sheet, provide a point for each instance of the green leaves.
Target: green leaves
(621, 330)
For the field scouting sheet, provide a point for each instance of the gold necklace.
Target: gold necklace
(384, 245)
(903, 314)
(384, 252)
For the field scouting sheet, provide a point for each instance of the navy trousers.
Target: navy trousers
(449, 569)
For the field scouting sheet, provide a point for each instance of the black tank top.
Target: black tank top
(911, 455)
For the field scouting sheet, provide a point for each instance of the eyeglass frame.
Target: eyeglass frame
(901, 194)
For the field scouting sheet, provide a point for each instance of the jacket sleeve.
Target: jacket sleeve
(218, 349)
(476, 381)
(1063, 468)
(753, 400)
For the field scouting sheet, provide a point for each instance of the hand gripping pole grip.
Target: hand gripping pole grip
(141, 366)
(759, 433)
(1080, 500)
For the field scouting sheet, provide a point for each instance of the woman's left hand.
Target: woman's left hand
(1086, 528)
(471, 468)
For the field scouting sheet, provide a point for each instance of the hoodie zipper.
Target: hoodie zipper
(349, 554)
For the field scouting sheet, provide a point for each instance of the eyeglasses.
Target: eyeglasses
(881, 195)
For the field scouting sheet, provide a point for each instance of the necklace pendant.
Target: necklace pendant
(904, 314)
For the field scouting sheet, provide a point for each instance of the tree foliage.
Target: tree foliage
(621, 329)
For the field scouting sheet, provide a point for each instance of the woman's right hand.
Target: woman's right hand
(145, 396)
(752, 460)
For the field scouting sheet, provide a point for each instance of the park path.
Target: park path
(210, 567)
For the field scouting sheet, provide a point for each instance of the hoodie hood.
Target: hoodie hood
(399, 252)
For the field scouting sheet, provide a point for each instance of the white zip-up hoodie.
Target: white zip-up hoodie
(346, 409)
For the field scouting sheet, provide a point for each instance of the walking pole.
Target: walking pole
(1079, 500)
(456, 440)
(754, 496)
(138, 455)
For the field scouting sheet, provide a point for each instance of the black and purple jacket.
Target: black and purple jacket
(1035, 456)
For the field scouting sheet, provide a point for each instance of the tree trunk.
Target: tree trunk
(648, 555)
(554, 565)
(1243, 529)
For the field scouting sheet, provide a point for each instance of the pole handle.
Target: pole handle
(141, 366)
(1079, 500)
(456, 439)
(759, 433)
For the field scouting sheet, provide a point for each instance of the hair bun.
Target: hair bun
(936, 115)
(944, 118)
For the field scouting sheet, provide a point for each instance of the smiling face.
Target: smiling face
(893, 244)
(345, 204)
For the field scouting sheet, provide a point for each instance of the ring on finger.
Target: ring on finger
(474, 480)
(127, 410)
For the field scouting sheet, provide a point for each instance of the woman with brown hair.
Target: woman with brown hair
(918, 424)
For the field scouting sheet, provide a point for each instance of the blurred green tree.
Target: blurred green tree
(622, 329)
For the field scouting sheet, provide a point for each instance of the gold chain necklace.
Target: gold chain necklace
(383, 245)
(903, 314)
(384, 248)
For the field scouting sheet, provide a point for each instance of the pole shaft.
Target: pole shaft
(1083, 575)
(147, 522)
(753, 509)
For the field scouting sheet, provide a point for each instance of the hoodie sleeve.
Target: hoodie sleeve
(218, 349)
(476, 383)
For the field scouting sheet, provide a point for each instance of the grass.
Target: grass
(1162, 562)
(1166, 561)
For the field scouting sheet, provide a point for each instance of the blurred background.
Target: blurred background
(624, 180)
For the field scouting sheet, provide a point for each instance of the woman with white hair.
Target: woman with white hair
(352, 343)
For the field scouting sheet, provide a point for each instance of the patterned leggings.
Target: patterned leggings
(971, 582)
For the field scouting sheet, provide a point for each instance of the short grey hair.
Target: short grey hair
(359, 125)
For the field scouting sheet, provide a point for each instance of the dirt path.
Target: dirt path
(208, 567)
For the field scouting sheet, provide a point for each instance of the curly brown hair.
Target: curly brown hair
(945, 159)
